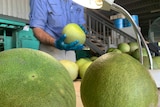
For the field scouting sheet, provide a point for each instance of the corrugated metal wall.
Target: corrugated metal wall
(15, 8)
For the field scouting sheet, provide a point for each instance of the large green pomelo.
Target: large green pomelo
(31, 78)
(74, 32)
(118, 80)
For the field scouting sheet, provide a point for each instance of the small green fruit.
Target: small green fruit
(136, 53)
(133, 46)
(124, 47)
(84, 68)
(81, 61)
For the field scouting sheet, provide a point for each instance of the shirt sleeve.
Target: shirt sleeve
(38, 13)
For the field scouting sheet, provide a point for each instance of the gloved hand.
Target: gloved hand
(60, 44)
(83, 28)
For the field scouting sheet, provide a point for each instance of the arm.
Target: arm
(38, 20)
(43, 37)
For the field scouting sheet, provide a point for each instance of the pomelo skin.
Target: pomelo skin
(118, 80)
(31, 78)
(74, 32)
(71, 67)
(124, 47)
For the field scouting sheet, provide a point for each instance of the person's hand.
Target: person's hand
(83, 28)
(60, 44)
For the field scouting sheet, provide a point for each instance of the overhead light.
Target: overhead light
(92, 4)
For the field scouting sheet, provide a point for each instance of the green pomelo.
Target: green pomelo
(32, 78)
(110, 49)
(81, 61)
(136, 53)
(71, 67)
(114, 50)
(133, 46)
(156, 60)
(117, 50)
(74, 32)
(124, 47)
(84, 68)
(93, 58)
(118, 80)
(146, 63)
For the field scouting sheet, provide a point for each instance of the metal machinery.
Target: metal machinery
(14, 34)
(154, 37)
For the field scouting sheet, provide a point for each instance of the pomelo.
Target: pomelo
(156, 60)
(124, 47)
(74, 32)
(81, 61)
(32, 78)
(116, 50)
(71, 67)
(84, 68)
(133, 46)
(110, 49)
(136, 53)
(93, 58)
(118, 80)
(146, 63)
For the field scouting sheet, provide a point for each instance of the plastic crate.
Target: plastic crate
(9, 43)
(26, 39)
(8, 29)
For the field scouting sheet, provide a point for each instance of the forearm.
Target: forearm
(43, 37)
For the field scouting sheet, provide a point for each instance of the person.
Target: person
(48, 18)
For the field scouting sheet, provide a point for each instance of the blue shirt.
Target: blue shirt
(53, 15)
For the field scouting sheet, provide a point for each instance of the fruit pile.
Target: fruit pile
(31, 78)
(132, 48)
(77, 69)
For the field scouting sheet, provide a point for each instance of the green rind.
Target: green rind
(118, 80)
(31, 78)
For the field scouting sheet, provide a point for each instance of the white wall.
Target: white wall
(15, 8)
